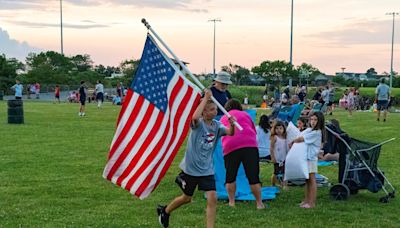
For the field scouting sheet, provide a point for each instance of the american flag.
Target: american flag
(152, 124)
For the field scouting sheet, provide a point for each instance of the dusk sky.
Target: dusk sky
(355, 34)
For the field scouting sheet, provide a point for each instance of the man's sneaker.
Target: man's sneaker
(163, 217)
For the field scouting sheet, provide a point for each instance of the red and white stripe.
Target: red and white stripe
(147, 139)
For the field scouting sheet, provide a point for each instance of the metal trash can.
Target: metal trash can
(15, 112)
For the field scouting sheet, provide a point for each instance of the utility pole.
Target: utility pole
(214, 20)
(291, 36)
(61, 26)
(391, 56)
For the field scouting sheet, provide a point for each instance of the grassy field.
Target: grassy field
(51, 176)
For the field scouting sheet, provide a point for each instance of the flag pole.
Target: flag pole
(199, 84)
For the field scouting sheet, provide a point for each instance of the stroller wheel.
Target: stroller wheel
(339, 192)
(384, 199)
(352, 185)
(391, 195)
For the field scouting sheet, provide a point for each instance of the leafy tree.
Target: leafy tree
(82, 62)
(8, 71)
(339, 80)
(371, 71)
(312, 71)
(128, 67)
(275, 71)
(238, 72)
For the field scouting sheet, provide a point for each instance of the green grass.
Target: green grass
(51, 176)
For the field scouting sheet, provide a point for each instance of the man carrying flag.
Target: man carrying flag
(153, 123)
(197, 164)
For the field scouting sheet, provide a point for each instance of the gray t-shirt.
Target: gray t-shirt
(382, 90)
(325, 95)
(198, 159)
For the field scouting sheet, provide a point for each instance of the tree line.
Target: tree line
(54, 68)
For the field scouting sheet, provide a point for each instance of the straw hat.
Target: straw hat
(223, 77)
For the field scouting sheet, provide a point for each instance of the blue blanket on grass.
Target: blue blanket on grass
(326, 163)
(243, 191)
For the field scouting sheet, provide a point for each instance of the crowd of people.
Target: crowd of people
(266, 142)
(247, 147)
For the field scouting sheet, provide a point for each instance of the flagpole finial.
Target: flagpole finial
(145, 23)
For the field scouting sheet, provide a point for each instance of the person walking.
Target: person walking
(99, 93)
(382, 99)
(82, 98)
(197, 164)
(57, 94)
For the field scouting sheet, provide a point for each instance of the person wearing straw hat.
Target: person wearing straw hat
(219, 88)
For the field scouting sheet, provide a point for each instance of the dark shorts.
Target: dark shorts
(99, 96)
(279, 170)
(249, 157)
(330, 103)
(382, 105)
(58, 96)
(204, 183)
(82, 100)
(18, 98)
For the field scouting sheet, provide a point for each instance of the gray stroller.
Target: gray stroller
(358, 166)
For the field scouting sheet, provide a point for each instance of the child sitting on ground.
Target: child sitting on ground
(197, 164)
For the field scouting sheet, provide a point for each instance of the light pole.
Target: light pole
(391, 57)
(61, 26)
(291, 34)
(215, 21)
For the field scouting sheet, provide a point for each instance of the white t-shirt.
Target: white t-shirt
(263, 142)
(99, 88)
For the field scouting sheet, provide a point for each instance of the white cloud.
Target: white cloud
(186, 5)
(14, 48)
(83, 25)
(361, 31)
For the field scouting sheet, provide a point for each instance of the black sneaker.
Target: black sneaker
(163, 217)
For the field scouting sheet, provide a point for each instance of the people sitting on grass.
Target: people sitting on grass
(197, 164)
(116, 100)
(330, 151)
(294, 108)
